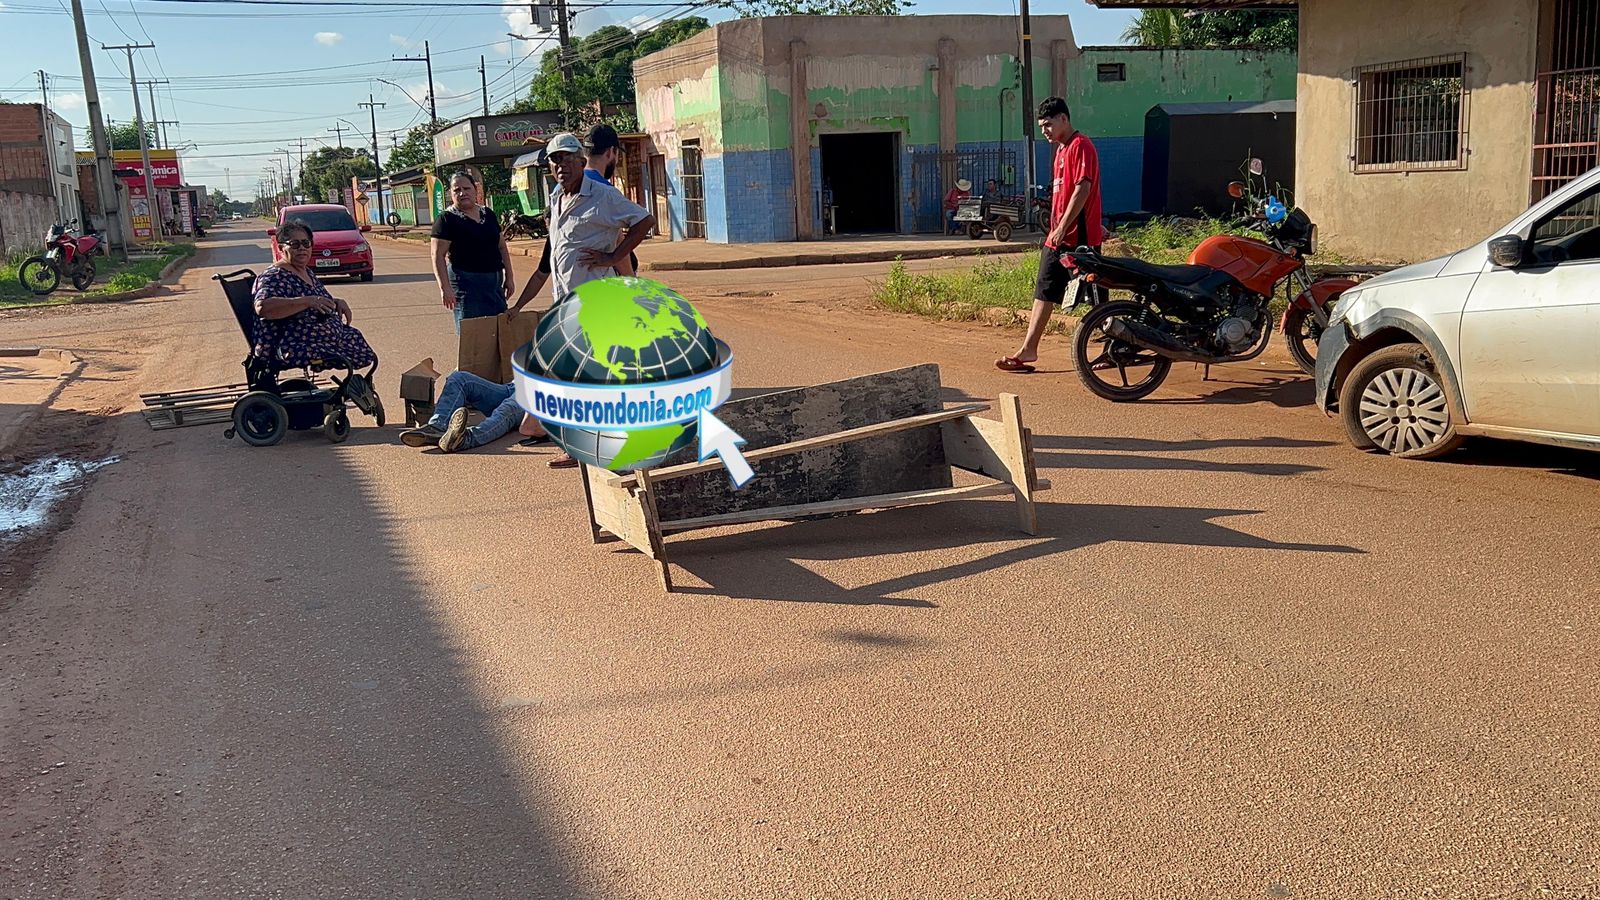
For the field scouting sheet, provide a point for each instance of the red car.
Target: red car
(337, 245)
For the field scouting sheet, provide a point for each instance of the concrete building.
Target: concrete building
(892, 111)
(38, 174)
(1424, 126)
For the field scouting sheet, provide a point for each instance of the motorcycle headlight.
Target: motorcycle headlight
(1341, 307)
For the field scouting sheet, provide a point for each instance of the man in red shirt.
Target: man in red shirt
(1074, 222)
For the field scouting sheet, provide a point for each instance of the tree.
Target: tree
(752, 8)
(1256, 28)
(125, 136)
(330, 168)
(415, 150)
(601, 65)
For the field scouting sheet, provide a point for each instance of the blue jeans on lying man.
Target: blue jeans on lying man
(497, 401)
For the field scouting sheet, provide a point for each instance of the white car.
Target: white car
(1501, 339)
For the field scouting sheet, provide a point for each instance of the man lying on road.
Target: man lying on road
(448, 429)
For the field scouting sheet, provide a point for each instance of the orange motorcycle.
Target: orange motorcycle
(1212, 310)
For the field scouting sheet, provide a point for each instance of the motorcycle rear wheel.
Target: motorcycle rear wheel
(1301, 333)
(84, 276)
(1094, 354)
(39, 275)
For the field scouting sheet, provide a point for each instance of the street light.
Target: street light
(404, 91)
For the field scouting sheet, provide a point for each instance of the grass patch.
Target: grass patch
(109, 279)
(1007, 281)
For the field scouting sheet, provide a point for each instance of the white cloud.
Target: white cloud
(399, 41)
(329, 38)
(66, 101)
(519, 18)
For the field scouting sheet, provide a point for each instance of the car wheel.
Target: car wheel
(1395, 401)
(366, 276)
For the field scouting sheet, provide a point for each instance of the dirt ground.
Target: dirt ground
(1241, 659)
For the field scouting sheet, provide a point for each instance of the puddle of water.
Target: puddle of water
(27, 496)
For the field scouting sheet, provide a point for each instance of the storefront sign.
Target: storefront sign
(128, 166)
(493, 137)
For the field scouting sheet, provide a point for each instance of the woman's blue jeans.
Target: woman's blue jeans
(478, 294)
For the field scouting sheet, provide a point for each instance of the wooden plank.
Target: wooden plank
(816, 443)
(616, 510)
(971, 444)
(1019, 458)
(879, 501)
(899, 461)
(588, 503)
(658, 549)
(215, 389)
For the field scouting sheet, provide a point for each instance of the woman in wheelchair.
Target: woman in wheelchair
(302, 325)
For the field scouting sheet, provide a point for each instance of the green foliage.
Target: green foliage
(962, 294)
(111, 278)
(415, 150)
(1174, 28)
(753, 8)
(125, 136)
(601, 67)
(330, 168)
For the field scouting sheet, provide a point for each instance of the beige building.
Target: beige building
(1424, 125)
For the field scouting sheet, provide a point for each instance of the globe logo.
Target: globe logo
(652, 351)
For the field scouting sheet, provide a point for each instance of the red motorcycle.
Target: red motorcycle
(64, 256)
(1213, 310)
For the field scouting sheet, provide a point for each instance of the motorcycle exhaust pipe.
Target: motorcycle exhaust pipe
(1142, 335)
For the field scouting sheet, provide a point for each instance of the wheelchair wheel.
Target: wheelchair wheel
(259, 419)
(336, 426)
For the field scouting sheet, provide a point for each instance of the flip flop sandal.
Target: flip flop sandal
(534, 441)
(1012, 364)
(563, 463)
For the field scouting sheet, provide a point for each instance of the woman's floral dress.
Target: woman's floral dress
(307, 338)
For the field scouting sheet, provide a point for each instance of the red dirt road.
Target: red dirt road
(1242, 659)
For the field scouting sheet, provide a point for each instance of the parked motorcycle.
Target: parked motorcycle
(1212, 310)
(516, 224)
(65, 256)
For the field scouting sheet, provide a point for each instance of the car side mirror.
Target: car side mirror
(1507, 251)
(1236, 190)
(366, 228)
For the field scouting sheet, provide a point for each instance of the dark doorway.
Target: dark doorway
(859, 171)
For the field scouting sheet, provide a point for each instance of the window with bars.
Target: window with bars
(1112, 72)
(1411, 115)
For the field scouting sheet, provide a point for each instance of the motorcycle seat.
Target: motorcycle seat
(1144, 271)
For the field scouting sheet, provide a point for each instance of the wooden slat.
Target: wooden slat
(815, 443)
(849, 504)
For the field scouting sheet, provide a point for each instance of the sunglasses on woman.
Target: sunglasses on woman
(296, 244)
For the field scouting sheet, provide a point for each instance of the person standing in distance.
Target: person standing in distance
(470, 260)
(1075, 221)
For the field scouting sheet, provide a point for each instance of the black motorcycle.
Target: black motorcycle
(1213, 310)
(514, 224)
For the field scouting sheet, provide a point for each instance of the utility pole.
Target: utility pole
(227, 179)
(433, 106)
(1029, 124)
(483, 78)
(566, 38)
(339, 129)
(303, 168)
(162, 124)
(144, 139)
(155, 117)
(372, 108)
(49, 133)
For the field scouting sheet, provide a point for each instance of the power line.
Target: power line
(451, 4)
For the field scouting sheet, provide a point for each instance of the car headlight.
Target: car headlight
(362, 247)
(1341, 307)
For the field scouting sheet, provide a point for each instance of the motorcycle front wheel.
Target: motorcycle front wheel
(39, 275)
(1301, 333)
(1112, 369)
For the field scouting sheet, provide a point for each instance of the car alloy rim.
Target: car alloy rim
(1403, 410)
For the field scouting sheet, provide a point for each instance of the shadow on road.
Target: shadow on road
(1282, 392)
(763, 564)
(1517, 455)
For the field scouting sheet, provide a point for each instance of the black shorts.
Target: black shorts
(1054, 279)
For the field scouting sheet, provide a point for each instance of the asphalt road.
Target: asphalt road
(1241, 660)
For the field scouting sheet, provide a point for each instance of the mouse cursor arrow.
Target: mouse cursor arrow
(716, 438)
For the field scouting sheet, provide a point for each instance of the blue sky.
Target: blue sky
(248, 79)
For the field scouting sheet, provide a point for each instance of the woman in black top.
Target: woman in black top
(470, 259)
